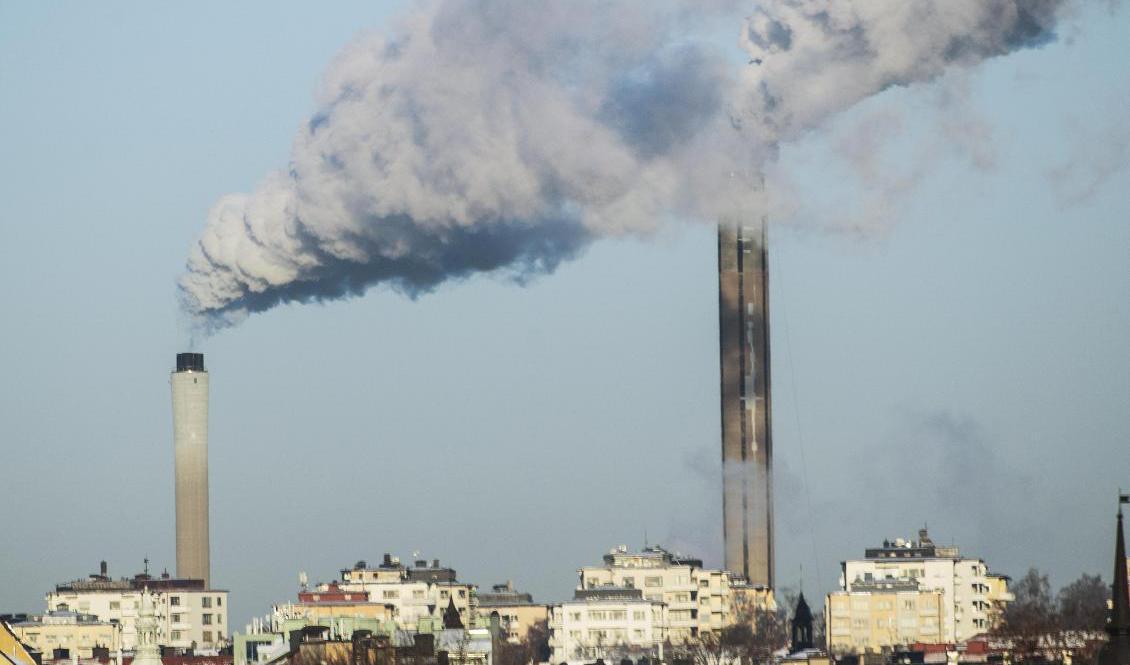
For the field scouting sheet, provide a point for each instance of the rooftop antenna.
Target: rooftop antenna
(146, 560)
(645, 537)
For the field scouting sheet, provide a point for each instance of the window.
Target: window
(207, 636)
(462, 593)
(219, 601)
(575, 616)
(176, 634)
(115, 605)
(205, 602)
(653, 581)
(206, 620)
(417, 593)
(388, 594)
(175, 618)
(637, 634)
(639, 615)
(630, 582)
(174, 600)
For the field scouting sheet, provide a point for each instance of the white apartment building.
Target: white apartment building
(972, 597)
(698, 599)
(411, 593)
(609, 623)
(188, 615)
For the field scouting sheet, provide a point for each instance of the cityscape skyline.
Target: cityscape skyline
(953, 366)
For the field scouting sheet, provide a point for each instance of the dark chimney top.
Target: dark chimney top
(102, 569)
(190, 362)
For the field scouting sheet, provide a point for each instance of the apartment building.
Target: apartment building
(610, 623)
(188, 614)
(516, 610)
(75, 632)
(880, 615)
(410, 593)
(972, 598)
(698, 599)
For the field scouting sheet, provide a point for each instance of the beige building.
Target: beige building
(75, 632)
(516, 611)
(611, 623)
(188, 614)
(883, 616)
(972, 598)
(698, 599)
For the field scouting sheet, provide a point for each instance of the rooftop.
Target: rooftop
(903, 548)
(653, 556)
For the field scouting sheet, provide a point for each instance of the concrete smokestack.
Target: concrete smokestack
(190, 443)
(747, 444)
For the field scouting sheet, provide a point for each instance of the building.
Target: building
(316, 645)
(12, 650)
(516, 611)
(883, 615)
(410, 593)
(65, 629)
(698, 599)
(190, 446)
(611, 623)
(902, 574)
(188, 614)
(747, 443)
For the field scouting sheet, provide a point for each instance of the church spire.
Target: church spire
(1117, 649)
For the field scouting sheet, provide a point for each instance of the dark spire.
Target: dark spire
(451, 615)
(802, 625)
(1117, 649)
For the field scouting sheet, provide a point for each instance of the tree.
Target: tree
(1082, 604)
(1082, 613)
(1030, 619)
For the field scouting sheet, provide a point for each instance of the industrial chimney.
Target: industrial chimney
(190, 444)
(747, 443)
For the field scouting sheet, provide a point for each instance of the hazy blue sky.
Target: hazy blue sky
(958, 357)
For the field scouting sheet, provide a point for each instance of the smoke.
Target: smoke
(504, 136)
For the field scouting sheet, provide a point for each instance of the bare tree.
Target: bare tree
(1082, 612)
(1030, 620)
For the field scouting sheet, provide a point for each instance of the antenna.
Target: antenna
(146, 561)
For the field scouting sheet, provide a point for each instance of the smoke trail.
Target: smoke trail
(506, 135)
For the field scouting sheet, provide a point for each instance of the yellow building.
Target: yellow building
(516, 611)
(67, 630)
(12, 652)
(885, 616)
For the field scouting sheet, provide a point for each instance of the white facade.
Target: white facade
(698, 599)
(972, 597)
(190, 447)
(185, 618)
(410, 598)
(583, 630)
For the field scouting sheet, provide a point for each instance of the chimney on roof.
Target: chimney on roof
(102, 568)
(435, 563)
(388, 559)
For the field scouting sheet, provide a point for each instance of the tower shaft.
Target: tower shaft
(747, 449)
(190, 445)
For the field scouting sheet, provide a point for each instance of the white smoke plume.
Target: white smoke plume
(506, 135)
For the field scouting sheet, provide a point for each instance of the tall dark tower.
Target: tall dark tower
(1116, 651)
(747, 444)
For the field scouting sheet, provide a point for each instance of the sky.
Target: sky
(949, 302)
